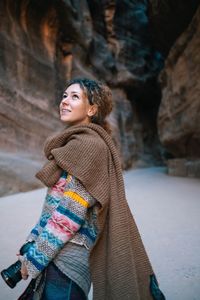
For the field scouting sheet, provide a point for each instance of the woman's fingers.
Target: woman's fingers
(24, 271)
(24, 277)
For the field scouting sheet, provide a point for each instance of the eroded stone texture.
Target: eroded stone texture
(28, 79)
(123, 120)
(179, 113)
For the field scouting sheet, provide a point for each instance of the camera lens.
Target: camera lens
(12, 275)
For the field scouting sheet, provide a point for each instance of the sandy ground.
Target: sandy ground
(167, 211)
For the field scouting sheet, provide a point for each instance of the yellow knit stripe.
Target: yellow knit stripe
(69, 178)
(77, 198)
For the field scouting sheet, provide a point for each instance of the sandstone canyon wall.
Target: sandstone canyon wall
(123, 43)
(179, 112)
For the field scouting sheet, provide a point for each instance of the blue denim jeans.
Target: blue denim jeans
(60, 287)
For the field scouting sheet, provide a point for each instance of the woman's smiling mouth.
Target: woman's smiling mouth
(64, 111)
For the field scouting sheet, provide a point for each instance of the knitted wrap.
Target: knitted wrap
(120, 268)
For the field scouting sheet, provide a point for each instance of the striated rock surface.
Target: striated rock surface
(179, 112)
(44, 43)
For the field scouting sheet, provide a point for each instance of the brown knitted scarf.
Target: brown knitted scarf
(120, 268)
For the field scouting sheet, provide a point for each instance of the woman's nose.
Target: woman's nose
(65, 100)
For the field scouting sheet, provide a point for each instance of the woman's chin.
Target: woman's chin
(64, 120)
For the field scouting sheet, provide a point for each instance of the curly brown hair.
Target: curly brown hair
(99, 94)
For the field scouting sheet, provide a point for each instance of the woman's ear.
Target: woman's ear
(92, 110)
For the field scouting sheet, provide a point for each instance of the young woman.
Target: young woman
(86, 232)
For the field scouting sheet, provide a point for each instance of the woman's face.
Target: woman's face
(74, 107)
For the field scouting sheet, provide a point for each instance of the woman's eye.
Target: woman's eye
(64, 96)
(75, 97)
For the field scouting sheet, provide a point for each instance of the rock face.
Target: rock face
(28, 77)
(44, 43)
(179, 112)
(29, 83)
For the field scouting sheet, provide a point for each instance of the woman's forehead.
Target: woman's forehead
(75, 87)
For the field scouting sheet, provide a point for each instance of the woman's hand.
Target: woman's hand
(24, 271)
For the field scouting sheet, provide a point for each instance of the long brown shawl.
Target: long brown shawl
(120, 268)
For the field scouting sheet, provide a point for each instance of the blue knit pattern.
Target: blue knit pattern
(68, 215)
(52, 200)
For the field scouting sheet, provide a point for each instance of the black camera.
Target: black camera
(12, 274)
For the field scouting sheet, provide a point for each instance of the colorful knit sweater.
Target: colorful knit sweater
(68, 215)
